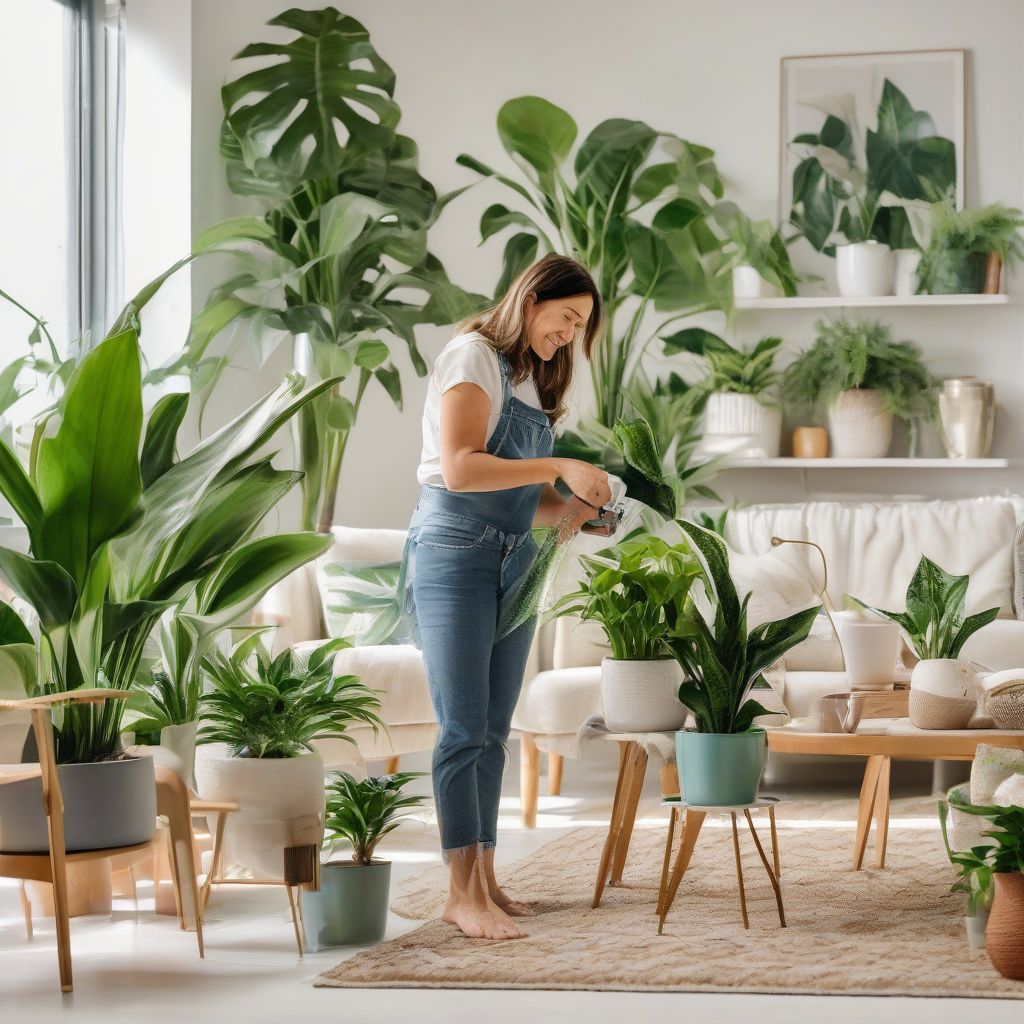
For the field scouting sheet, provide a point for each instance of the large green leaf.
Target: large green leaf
(17, 488)
(87, 474)
(609, 158)
(12, 629)
(539, 133)
(326, 100)
(161, 434)
(714, 554)
(46, 586)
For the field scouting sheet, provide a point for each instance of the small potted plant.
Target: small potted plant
(633, 591)
(968, 248)
(942, 687)
(351, 906)
(721, 760)
(1006, 857)
(975, 880)
(861, 378)
(756, 256)
(264, 717)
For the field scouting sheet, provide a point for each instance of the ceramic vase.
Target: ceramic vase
(864, 270)
(870, 649)
(747, 283)
(810, 443)
(721, 769)
(905, 264)
(859, 425)
(741, 426)
(942, 694)
(1006, 925)
(642, 696)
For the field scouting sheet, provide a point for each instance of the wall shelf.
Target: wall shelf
(879, 301)
(893, 463)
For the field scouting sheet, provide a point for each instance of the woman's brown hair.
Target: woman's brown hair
(504, 326)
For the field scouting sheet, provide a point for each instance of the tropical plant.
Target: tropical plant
(634, 590)
(269, 708)
(340, 254)
(934, 621)
(636, 215)
(363, 811)
(1006, 854)
(847, 355)
(120, 530)
(974, 869)
(722, 660)
(993, 228)
(741, 371)
(856, 185)
(757, 244)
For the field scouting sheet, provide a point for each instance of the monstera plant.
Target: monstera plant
(633, 209)
(854, 185)
(339, 258)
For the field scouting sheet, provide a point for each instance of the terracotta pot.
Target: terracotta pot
(810, 443)
(1006, 925)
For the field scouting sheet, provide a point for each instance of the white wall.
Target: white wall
(708, 72)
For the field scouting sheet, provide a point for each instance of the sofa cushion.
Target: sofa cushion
(559, 700)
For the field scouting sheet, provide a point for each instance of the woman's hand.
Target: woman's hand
(586, 481)
(606, 528)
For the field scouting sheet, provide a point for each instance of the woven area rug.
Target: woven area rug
(895, 931)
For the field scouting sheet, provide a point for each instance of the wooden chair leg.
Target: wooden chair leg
(613, 825)
(866, 809)
(295, 919)
(691, 830)
(392, 765)
(26, 909)
(776, 859)
(673, 816)
(669, 779)
(767, 868)
(215, 858)
(529, 778)
(555, 764)
(630, 802)
(739, 871)
(882, 812)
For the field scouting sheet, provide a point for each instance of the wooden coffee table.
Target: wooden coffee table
(881, 740)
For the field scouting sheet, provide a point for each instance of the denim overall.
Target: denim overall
(465, 555)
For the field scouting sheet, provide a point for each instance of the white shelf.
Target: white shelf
(838, 302)
(895, 463)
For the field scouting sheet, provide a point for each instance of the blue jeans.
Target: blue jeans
(466, 571)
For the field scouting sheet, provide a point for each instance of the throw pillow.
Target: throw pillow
(360, 601)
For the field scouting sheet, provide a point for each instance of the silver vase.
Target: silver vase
(967, 411)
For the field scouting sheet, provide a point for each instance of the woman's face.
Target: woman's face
(554, 323)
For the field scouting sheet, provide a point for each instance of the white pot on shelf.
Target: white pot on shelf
(747, 283)
(864, 270)
(642, 696)
(870, 649)
(740, 425)
(905, 264)
(859, 425)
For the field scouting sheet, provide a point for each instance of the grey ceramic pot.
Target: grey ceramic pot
(721, 769)
(351, 908)
(106, 804)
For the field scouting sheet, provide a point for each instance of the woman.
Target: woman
(488, 477)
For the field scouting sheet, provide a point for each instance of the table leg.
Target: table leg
(739, 870)
(625, 761)
(631, 799)
(691, 829)
(882, 812)
(771, 875)
(775, 844)
(673, 815)
(866, 809)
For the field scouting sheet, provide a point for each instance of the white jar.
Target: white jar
(864, 270)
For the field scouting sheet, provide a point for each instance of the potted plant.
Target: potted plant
(721, 759)
(975, 881)
(757, 259)
(351, 906)
(968, 248)
(855, 188)
(633, 591)
(265, 717)
(942, 687)
(1006, 857)
(741, 416)
(120, 530)
(863, 378)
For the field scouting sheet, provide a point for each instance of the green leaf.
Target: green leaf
(234, 229)
(539, 133)
(45, 585)
(609, 158)
(695, 340)
(18, 490)
(161, 436)
(520, 252)
(372, 354)
(12, 629)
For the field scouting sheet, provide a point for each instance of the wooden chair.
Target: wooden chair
(51, 867)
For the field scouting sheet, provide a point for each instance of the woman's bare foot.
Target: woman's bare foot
(469, 906)
(500, 898)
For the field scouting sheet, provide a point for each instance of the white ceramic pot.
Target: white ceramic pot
(859, 425)
(280, 803)
(740, 425)
(180, 742)
(905, 264)
(642, 696)
(870, 650)
(976, 925)
(747, 283)
(864, 269)
(942, 694)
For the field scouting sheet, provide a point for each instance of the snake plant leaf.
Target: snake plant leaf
(969, 627)
(770, 641)
(282, 121)
(711, 550)
(539, 133)
(161, 434)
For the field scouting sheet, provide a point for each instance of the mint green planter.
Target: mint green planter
(721, 769)
(351, 908)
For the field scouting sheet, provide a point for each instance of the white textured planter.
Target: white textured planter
(905, 264)
(942, 694)
(870, 649)
(280, 803)
(976, 925)
(864, 270)
(747, 283)
(742, 426)
(642, 696)
(859, 426)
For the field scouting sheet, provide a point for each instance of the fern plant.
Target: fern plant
(847, 355)
(363, 811)
(277, 708)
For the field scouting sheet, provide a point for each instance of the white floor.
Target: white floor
(150, 971)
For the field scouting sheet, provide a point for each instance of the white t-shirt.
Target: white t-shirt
(467, 359)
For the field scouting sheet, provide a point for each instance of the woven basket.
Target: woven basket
(930, 711)
(1007, 709)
